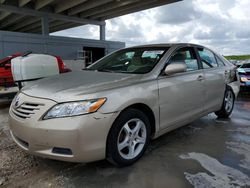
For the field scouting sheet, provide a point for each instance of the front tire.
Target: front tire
(228, 104)
(128, 138)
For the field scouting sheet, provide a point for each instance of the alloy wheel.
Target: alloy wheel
(132, 138)
(229, 100)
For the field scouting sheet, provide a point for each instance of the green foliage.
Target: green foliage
(238, 57)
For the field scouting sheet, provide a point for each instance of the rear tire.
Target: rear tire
(228, 104)
(128, 138)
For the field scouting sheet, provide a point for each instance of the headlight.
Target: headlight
(74, 108)
(243, 79)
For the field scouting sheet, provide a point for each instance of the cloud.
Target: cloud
(243, 34)
(174, 15)
(219, 24)
(121, 30)
(86, 31)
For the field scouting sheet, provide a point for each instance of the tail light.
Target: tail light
(62, 67)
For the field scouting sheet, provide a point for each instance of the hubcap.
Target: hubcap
(132, 138)
(229, 100)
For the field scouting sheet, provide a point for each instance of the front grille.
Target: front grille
(26, 110)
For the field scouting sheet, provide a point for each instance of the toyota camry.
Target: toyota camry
(113, 108)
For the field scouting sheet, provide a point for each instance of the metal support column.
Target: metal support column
(102, 32)
(45, 25)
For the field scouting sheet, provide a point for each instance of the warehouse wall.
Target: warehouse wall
(12, 42)
(75, 65)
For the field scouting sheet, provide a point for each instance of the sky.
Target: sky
(222, 25)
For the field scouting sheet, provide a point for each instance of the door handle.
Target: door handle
(200, 78)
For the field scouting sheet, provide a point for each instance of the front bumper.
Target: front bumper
(245, 84)
(75, 139)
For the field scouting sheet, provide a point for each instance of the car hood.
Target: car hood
(67, 86)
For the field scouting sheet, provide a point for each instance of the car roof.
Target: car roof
(165, 45)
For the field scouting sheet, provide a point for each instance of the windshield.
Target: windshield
(133, 61)
(246, 65)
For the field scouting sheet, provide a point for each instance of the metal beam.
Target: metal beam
(135, 7)
(37, 30)
(55, 23)
(24, 23)
(59, 27)
(102, 32)
(4, 15)
(64, 26)
(31, 26)
(42, 3)
(45, 25)
(85, 11)
(86, 6)
(27, 11)
(21, 3)
(107, 7)
(64, 5)
(12, 19)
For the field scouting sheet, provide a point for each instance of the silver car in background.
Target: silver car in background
(112, 109)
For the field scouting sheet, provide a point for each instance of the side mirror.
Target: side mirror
(175, 67)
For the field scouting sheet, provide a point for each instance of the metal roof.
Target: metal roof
(26, 15)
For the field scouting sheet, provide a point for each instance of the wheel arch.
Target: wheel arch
(147, 111)
(143, 108)
(234, 87)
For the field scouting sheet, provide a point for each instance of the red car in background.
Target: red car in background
(62, 66)
(6, 78)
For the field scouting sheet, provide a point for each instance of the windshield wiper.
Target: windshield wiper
(104, 70)
(86, 69)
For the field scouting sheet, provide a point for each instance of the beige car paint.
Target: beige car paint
(175, 100)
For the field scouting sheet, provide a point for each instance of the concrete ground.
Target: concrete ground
(206, 153)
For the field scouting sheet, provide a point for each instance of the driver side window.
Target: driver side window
(186, 55)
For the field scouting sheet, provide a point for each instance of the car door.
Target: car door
(181, 95)
(214, 74)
